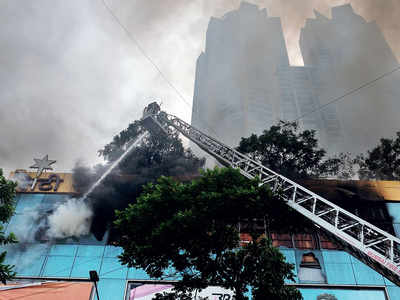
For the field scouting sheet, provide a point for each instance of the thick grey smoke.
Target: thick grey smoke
(71, 77)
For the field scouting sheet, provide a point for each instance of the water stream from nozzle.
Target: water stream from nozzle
(73, 218)
(114, 164)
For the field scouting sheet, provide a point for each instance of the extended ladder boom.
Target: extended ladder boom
(375, 247)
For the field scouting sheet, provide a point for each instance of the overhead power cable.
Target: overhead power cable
(141, 49)
(348, 93)
(139, 46)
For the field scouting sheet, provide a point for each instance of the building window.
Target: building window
(310, 269)
(304, 241)
(326, 297)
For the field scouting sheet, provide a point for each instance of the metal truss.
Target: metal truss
(375, 247)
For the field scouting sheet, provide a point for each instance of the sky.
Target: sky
(71, 77)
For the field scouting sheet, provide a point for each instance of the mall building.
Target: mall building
(323, 270)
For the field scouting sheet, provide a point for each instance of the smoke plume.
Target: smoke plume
(53, 51)
(28, 226)
(71, 219)
(157, 155)
(23, 180)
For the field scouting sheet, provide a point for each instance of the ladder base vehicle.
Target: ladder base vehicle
(373, 246)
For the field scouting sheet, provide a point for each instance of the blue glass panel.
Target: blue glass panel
(83, 265)
(340, 274)
(65, 250)
(394, 211)
(366, 275)
(112, 251)
(91, 240)
(24, 255)
(396, 227)
(111, 289)
(289, 255)
(336, 257)
(394, 292)
(28, 202)
(344, 294)
(27, 258)
(137, 274)
(24, 226)
(13, 225)
(290, 258)
(49, 201)
(12, 254)
(68, 241)
(29, 266)
(58, 266)
(112, 268)
(17, 197)
(90, 251)
(388, 282)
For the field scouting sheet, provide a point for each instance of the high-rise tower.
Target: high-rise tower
(237, 90)
(244, 82)
(346, 52)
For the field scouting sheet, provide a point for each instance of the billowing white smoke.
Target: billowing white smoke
(71, 219)
(23, 180)
(28, 225)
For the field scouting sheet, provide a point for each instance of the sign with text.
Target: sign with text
(46, 183)
(147, 291)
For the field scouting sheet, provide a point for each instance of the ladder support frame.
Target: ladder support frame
(336, 224)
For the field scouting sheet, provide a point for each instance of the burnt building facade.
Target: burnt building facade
(323, 269)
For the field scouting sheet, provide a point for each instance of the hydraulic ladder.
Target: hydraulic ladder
(375, 247)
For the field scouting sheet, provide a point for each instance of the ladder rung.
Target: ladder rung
(349, 226)
(376, 242)
(325, 212)
(288, 188)
(304, 200)
(269, 179)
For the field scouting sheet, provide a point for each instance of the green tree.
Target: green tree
(192, 228)
(293, 153)
(7, 203)
(155, 156)
(342, 166)
(383, 161)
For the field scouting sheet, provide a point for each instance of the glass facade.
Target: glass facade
(330, 273)
(342, 294)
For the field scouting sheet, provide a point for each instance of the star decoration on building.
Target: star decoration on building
(42, 164)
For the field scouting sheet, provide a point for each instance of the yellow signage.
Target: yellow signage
(374, 190)
(47, 182)
(390, 190)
